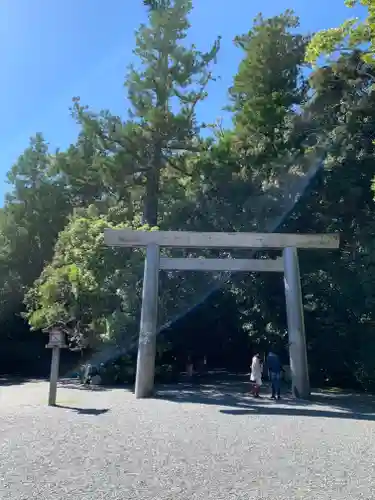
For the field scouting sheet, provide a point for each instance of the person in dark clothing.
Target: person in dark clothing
(274, 370)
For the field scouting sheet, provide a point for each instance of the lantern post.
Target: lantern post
(56, 342)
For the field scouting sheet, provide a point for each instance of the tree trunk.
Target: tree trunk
(151, 198)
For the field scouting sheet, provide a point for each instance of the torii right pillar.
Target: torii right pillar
(296, 325)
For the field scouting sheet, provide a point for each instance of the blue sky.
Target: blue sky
(53, 50)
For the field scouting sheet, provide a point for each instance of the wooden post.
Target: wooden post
(55, 364)
(144, 382)
(296, 326)
(56, 342)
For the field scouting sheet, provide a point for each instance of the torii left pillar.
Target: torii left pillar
(144, 382)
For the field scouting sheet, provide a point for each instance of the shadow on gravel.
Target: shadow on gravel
(85, 411)
(78, 386)
(301, 412)
(237, 402)
(7, 381)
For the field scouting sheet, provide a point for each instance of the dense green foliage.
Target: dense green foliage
(353, 34)
(155, 167)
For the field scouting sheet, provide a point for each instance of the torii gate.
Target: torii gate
(288, 264)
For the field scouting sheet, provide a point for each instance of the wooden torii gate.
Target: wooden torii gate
(288, 264)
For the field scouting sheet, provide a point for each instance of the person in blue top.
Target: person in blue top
(274, 370)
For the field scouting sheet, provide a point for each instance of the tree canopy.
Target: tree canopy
(155, 168)
(353, 34)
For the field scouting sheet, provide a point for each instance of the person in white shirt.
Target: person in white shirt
(256, 375)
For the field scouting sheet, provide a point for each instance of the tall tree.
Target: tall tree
(164, 91)
(87, 286)
(35, 210)
(268, 85)
(354, 37)
(266, 96)
(339, 296)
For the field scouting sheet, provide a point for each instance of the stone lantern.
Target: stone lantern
(56, 338)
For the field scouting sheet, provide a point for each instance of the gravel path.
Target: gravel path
(211, 444)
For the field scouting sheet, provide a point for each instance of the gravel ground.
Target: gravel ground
(213, 444)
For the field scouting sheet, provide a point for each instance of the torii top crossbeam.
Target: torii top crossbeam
(188, 239)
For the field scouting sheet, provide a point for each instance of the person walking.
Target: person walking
(274, 370)
(256, 375)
